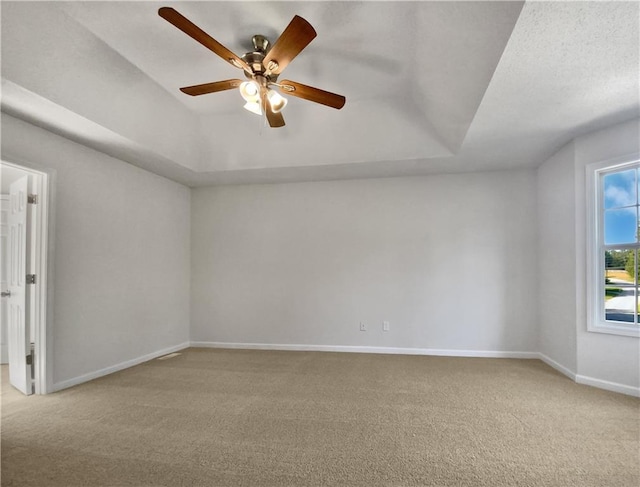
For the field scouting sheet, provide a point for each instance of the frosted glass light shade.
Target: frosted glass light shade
(276, 101)
(254, 107)
(250, 91)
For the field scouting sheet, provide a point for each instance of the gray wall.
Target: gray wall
(556, 258)
(122, 253)
(448, 260)
(609, 358)
(595, 358)
(467, 262)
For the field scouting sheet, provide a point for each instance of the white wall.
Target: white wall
(598, 359)
(449, 260)
(466, 262)
(121, 254)
(556, 258)
(602, 357)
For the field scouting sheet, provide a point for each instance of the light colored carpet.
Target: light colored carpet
(252, 418)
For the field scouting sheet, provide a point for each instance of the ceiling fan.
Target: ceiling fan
(261, 67)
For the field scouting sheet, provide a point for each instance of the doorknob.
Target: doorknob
(6, 294)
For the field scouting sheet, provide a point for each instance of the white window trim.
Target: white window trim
(595, 284)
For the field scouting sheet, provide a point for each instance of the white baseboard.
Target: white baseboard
(560, 368)
(58, 386)
(361, 349)
(590, 381)
(609, 386)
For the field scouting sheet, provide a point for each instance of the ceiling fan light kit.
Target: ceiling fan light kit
(277, 101)
(262, 67)
(250, 91)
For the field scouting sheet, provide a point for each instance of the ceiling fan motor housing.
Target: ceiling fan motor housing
(255, 60)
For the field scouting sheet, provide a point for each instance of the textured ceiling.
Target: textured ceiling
(430, 86)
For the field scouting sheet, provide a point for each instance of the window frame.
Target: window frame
(596, 321)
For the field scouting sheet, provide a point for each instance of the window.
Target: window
(614, 247)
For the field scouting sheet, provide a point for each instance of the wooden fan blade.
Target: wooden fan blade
(275, 119)
(298, 34)
(205, 88)
(195, 32)
(312, 94)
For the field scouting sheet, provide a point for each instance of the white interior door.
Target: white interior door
(18, 329)
(4, 276)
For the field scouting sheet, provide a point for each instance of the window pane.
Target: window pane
(620, 304)
(620, 292)
(620, 189)
(620, 226)
(618, 266)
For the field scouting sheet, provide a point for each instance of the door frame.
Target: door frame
(42, 266)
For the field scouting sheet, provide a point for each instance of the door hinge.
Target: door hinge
(29, 359)
(33, 199)
(31, 278)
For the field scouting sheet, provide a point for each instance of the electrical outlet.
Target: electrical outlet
(363, 327)
(385, 326)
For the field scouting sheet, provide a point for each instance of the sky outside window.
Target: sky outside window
(621, 207)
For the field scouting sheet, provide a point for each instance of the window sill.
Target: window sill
(613, 329)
